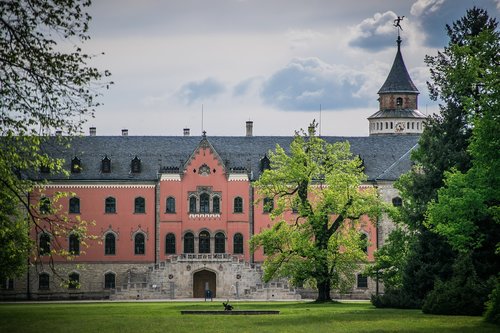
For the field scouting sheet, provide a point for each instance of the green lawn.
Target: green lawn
(166, 317)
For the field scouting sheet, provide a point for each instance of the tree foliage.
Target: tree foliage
(322, 244)
(46, 84)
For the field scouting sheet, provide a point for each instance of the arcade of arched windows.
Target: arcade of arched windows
(204, 201)
(205, 242)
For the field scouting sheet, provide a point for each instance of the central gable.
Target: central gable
(202, 157)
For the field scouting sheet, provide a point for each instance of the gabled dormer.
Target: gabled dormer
(398, 103)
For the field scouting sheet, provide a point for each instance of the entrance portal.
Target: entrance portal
(202, 281)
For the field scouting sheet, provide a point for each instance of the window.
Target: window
(7, 284)
(43, 281)
(204, 242)
(238, 244)
(364, 242)
(106, 165)
(170, 244)
(74, 244)
(188, 243)
(386, 125)
(397, 202)
(74, 206)
(238, 205)
(139, 205)
(268, 205)
(135, 165)
(392, 125)
(362, 281)
(220, 243)
(192, 205)
(216, 205)
(139, 244)
(110, 205)
(76, 165)
(44, 169)
(109, 280)
(171, 205)
(44, 244)
(110, 244)
(399, 102)
(265, 163)
(204, 203)
(74, 281)
(45, 205)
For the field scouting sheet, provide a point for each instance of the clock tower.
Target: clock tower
(398, 103)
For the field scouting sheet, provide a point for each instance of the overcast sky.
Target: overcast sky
(270, 61)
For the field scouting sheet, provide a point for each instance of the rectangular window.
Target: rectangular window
(362, 281)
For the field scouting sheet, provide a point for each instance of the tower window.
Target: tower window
(399, 102)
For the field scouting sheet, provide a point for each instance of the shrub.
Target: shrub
(492, 314)
(395, 299)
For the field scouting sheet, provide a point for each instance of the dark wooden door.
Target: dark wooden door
(202, 281)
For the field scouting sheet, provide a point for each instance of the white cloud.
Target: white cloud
(305, 83)
(200, 90)
(375, 33)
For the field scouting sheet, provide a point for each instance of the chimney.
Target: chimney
(58, 133)
(186, 131)
(124, 132)
(311, 129)
(93, 131)
(249, 128)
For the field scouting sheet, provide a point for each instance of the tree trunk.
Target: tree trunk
(323, 291)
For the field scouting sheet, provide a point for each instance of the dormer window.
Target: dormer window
(399, 102)
(76, 165)
(265, 163)
(106, 165)
(135, 165)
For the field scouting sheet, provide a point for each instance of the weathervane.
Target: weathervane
(397, 23)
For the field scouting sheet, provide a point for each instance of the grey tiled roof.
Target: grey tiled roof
(385, 157)
(398, 80)
(397, 113)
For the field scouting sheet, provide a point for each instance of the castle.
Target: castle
(174, 214)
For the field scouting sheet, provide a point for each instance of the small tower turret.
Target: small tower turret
(398, 103)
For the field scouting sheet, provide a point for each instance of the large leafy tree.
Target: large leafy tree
(321, 244)
(46, 84)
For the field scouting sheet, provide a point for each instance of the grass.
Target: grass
(165, 317)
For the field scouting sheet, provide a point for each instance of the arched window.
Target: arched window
(216, 205)
(238, 244)
(139, 244)
(45, 205)
(44, 244)
(220, 243)
(74, 281)
(268, 205)
(188, 243)
(110, 244)
(76, 165)
(139, 205)
(364, 242)
(43, 281)
(110, 205)
(192, 205)
(74, 244)
(74, 206)
(238, 205)
(171, 205)
(106, 165)
(397, 202)
(204, 203)
(135, 165)
(399, 102)
(170, 244)
(204, 242)
(362, 281)
(109, 280)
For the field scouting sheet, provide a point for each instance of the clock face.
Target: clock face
(400, 127)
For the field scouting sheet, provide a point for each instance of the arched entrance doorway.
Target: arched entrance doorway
(204, 280)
